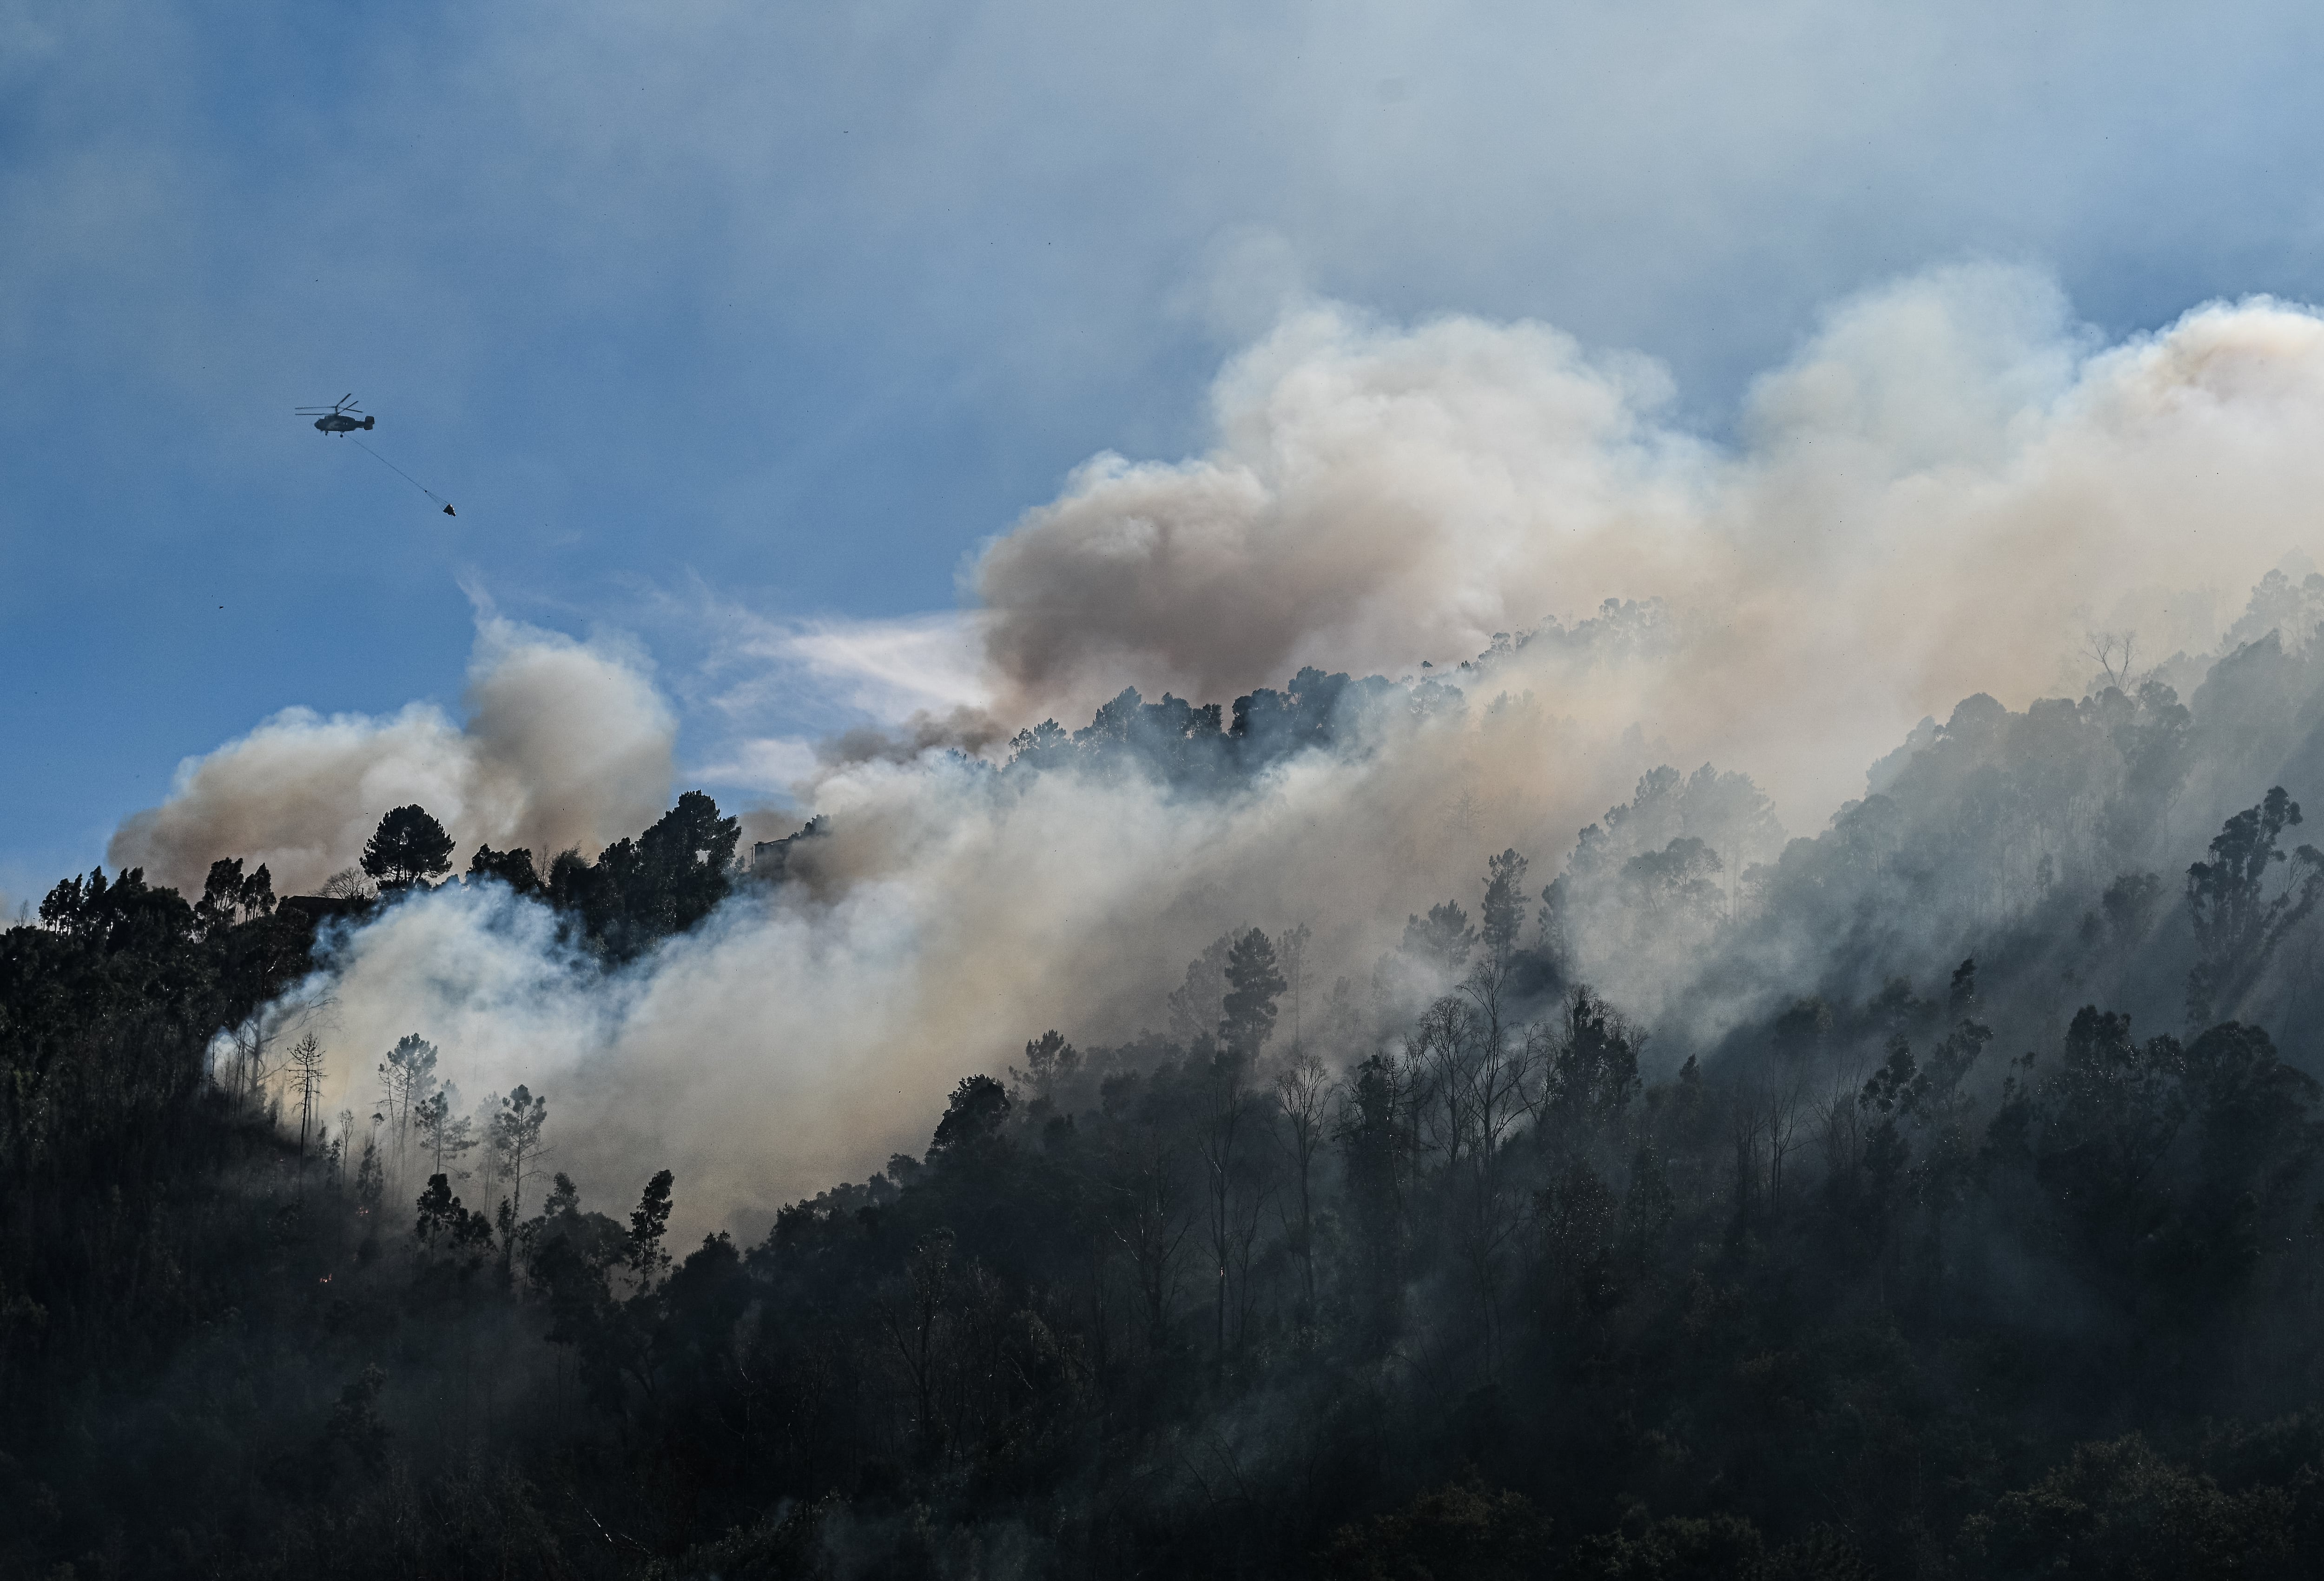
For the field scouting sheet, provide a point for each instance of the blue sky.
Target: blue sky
(784, 310)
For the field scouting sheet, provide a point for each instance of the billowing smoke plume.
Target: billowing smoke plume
(566, 743)
(1941, 495)
(1947, 492)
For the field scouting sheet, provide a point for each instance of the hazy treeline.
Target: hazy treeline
(1936, 1195)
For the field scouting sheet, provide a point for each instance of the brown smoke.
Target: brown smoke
(564, 745)
(1939, 496)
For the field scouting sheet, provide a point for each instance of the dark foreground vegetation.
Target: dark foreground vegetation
(1946, 1269)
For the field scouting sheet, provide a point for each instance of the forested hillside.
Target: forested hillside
(1938, 1196)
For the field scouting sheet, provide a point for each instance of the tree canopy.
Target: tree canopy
(408, 847)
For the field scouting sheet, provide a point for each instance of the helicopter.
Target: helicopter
(338, 417)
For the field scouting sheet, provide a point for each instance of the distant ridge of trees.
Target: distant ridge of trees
(634, 894)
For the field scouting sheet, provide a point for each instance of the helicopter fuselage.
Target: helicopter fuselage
(339, 423)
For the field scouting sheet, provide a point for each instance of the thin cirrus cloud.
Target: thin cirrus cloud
(824, 678)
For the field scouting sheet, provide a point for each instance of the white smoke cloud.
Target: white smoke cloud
(794, 1040)
(1941, 494)
(566, 743)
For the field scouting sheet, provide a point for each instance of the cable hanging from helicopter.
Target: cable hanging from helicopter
(343, 418)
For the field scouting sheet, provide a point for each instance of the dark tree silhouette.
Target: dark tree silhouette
(978, 1107)
(691, 855)
(228, 897)
(649, 1223)
(512, 868)
(2237, 924)
(409, 848)
(1247, 1014)
(517, 1142)
(639, 892)
(1050, 1059)
(1444, 939)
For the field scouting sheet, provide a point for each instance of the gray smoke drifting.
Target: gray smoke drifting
(566, 743)
(1942, 494)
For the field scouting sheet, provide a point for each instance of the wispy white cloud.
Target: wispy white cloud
(768, 764)
(771, 690)
(889, 669)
